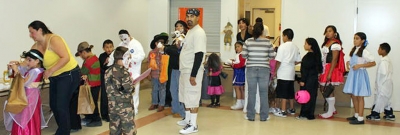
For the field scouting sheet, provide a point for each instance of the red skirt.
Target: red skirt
(336, 76)
(34, 125)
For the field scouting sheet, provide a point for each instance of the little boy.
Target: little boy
(384, 86)
(120, 89)
(158, 91)
(108, 47)
(286, 58)
(91, 73)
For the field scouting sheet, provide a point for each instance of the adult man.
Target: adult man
(266, 29)
(191, 67)
(135, 62)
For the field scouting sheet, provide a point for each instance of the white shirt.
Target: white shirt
(384, 82)
(266, 31)
(137, 56)
(195, 41)
(287, 54)
(366, 56)
(325, 51)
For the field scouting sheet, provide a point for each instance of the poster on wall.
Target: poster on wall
(182, 15)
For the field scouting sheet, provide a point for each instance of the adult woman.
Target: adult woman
(61, 69)
(244, 33)
(258, 51)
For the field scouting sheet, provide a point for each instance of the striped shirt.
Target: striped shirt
(258, 52)
(91, 68)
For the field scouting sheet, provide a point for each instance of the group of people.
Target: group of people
(321, 66)
(112, 75)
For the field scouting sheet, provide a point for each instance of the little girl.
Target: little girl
(30, 120)
(238, 65)
(311, 66)
(357, 83)
(215, 88)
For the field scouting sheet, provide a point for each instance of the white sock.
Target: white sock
(187, 117)
(193, 120)
(238, 101)
(360, 118)
(331, 105)
(243, 102)
(356, 115)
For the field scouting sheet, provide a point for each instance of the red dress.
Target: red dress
(338, 72)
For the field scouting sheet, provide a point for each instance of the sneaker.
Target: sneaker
(352, 118)
(301, 118)
(271, 110)
(281, 114)
(291, 111)
(373, 117)
(182, 122)
(389, 117)
(85, 121)
(188, 129)
(237, 106)
(94, 124)
(277, 110)
(356, 122)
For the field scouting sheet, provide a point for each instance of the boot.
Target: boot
(160, 108)
(152, 107)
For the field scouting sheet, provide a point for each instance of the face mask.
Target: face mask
(126, 59)
(125, 38)
(159, 45)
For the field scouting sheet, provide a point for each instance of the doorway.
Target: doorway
(268, 16)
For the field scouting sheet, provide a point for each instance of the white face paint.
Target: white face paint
(125, 38)
(126, 59)
(159, 45)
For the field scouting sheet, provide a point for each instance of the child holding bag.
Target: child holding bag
(30, 120)
(311, 67)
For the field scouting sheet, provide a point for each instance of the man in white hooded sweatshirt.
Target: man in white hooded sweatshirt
(135, 62)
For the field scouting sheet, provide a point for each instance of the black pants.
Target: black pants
(168, 97)
(308, 109)
(62, 87)
(95, 95)
(73, 110)
(103, 99)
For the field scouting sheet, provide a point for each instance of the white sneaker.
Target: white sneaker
(271, 110)
(237, 106)
(182, 122)
(188, 129)
(281, 114)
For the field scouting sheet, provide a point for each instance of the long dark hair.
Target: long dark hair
(316, 51)
(183, 23)
(363, 45)
(214, 62)
(334, 30)
(258, 30)
(40, 25)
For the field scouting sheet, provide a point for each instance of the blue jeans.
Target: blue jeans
(177, 107)
(61, 89)
(158, 92)
(260, 76)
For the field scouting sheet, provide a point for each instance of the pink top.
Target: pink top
(217, 72)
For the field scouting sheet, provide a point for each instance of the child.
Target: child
(357, 83)
(333, 63)
(158, 91)
(30, 120)
(311, 67)
(287, 56)
(384, 86)
(215, 88)
(108, 47)
(238, 65)
(90, 74)
(119, 92)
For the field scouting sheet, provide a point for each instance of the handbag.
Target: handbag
(328, 89)
(223, 75)
(85, 100)
(164, 68)
(17, 99)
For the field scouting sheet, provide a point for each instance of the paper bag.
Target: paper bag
(17, 100)
(85, 100)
